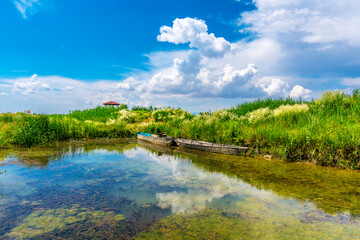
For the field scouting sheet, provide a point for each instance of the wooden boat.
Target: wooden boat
(211, 147)
(161, 139)
(159, 149)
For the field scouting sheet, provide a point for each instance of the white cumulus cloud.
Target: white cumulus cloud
(214, 69)
(317, 41)
(299, 91)
(194, 32)
(30, 85)
(192, 78)
(128, 84)
(208, 71)
(276, 87)
(314, 21)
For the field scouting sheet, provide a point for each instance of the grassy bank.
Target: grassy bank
(324, 131)
(33, 130)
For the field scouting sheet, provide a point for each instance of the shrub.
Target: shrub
(247, 107)
(99, 114)
(7, 117)
(126, 116)
(259, 114)
(167, 114)
(285, 110)
(224, 115)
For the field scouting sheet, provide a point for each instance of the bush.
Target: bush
(167, 114)
(127, 116)
(36, 130)
(98, 114)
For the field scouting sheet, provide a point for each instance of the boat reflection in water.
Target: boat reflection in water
(122, 190)
(164, 140)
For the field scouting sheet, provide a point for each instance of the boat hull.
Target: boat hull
(211, 147)
(157, 139)
(160, 149)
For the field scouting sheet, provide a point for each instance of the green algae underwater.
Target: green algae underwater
(123, 190)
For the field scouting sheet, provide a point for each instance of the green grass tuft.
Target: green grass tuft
(324, 131)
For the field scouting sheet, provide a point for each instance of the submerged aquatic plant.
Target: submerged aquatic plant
(47, 221)
(254, 223)
(207, 188)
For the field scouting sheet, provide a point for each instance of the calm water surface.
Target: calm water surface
(124, 190)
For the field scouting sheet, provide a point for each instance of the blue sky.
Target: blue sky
(60, 55)
(98, 39)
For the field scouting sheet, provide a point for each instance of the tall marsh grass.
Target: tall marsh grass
(34, 130)
(325, 131)
(247, 107)
(98, 114)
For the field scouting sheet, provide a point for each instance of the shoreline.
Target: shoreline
(323, 132)
(166, 149)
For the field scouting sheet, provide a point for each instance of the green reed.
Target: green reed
(244, 108)
(324, 131)
(99, 114)
(33, 130)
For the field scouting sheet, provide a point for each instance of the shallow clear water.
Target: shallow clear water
(123, 190)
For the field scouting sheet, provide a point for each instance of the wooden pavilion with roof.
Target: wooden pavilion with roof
(111, 103)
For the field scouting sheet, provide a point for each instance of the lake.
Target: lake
(126, 190)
